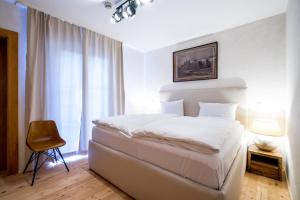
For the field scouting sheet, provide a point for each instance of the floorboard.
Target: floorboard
(54, 183)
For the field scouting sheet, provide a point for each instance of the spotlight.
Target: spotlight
(130, 10)
(127, 10)
(117, 16)
(125, 14)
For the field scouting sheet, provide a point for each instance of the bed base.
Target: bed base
(143, 180)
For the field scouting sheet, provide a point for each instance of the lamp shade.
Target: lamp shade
(269, 127)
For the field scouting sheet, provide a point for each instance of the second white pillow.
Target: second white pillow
(223, 110)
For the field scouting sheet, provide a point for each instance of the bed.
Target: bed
(149, 170)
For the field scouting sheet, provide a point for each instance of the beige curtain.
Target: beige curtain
(73, 77)
(101, 85)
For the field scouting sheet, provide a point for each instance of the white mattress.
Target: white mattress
(206, 169)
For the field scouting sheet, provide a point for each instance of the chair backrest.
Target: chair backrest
(41, 131)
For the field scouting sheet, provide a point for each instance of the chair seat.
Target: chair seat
(46, 144)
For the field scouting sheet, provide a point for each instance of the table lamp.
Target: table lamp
(267, 129)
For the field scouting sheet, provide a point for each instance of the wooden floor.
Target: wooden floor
(81, 183)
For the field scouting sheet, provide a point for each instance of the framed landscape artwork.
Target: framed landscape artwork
(197, 63)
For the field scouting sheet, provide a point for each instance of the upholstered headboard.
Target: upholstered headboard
(217, 91)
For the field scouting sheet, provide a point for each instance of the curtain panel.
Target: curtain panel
(73, 76)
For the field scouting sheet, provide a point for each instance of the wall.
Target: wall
(14, 18)
(133, 61)
(293, 83)
(255, 52)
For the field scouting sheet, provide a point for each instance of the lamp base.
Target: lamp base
(264, 143)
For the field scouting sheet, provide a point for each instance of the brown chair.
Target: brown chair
(43, 136)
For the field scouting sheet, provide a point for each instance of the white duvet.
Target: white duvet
(126, 124)
(199, 134)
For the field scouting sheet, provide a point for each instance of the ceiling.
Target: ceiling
(163, 22)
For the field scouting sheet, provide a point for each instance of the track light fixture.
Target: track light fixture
(127, 10)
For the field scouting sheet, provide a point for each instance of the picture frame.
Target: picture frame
(196, 63)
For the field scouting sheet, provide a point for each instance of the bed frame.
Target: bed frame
(143, 180)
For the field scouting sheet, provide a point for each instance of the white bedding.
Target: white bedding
(200, 134)
(206, 169)
(129, 123)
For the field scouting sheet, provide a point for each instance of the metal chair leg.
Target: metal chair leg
(57, 149)
(35, 167)
(54, 155)
(29, 161)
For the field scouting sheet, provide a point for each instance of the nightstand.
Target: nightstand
(265, 163)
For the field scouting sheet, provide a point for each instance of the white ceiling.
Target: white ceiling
(163, 22)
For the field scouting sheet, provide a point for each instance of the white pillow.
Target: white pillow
(223, 110)
(172, 107)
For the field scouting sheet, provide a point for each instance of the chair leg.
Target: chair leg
(57, 149)
(35, 167)
(29, 161)
(54, 155)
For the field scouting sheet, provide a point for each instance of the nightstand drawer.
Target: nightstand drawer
(265, 171)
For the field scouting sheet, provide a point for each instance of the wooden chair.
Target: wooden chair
(43, 136)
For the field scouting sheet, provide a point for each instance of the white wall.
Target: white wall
(293, 85)
(133, 61)
(255, 52)
(14, 18)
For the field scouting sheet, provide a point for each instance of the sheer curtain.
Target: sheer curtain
(73, 76)
(102, 86)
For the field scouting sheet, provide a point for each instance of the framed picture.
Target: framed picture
(197, 63)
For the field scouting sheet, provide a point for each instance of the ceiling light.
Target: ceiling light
(117, 16)
(130, 10)
(125, 14)
(127, 10)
